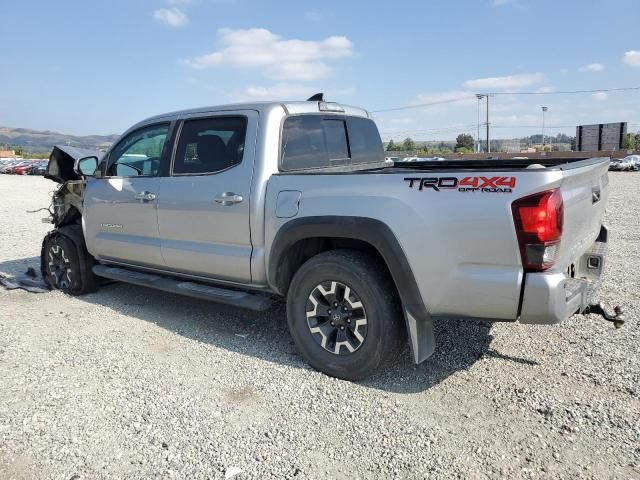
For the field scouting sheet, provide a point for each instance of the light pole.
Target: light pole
(544, 109)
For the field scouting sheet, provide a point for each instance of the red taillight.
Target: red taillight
(538, 220)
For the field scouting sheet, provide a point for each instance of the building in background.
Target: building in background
(9, 155)
(603, 136)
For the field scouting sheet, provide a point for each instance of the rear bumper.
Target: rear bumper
(550, 298)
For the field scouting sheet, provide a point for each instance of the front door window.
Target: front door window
(139, 153)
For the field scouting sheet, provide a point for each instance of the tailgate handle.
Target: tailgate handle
(595, 194)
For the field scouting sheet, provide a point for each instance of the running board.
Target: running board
(253, 301)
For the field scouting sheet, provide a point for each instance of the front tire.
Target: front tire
(344, 314)
(66, 266)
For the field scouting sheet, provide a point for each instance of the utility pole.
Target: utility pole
(479, 97)
(488, 141)
(544, 109)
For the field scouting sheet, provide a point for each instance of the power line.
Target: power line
(473, 96)
(569, 92)
(430, 104)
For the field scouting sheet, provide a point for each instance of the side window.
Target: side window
(139, 153)
(314, 141)
(210, 145)
(364, 141)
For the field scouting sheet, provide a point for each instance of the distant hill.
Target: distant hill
(35, 141)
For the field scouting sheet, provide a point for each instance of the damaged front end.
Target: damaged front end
(66, 203)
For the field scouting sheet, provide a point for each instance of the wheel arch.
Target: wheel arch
(301, 238)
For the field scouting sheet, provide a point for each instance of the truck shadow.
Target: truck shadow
(20, 265)
(265, 335)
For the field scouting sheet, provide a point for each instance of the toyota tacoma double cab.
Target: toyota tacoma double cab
(250, 203)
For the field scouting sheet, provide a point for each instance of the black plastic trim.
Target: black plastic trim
(603, 236)
(371, 231)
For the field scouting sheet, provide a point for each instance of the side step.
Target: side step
(253, 301)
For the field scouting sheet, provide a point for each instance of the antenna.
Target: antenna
(318, 97)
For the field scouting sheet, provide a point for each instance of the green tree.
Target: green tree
(463, 150)
(464, 141)
(408, 144)
(636, 139)
(391, 146)
(629, 142)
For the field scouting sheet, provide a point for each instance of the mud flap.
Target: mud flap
(422, 338)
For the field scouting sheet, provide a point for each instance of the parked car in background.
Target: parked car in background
(628, 163)
(12, 166)
(23, 169)
(39, 168)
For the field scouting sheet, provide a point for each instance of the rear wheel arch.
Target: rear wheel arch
(302, 238)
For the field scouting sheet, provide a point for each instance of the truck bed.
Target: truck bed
(459, 240)
(499, 165)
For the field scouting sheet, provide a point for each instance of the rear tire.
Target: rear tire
(344, 314)
(66, 266)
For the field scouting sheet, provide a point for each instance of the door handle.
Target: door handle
(228, 198)
(145, 196)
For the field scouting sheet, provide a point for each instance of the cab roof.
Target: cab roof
(290, 108)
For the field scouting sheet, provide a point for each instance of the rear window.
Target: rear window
(364, 141)
(317, 141)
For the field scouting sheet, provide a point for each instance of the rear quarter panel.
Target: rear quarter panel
(461, 246)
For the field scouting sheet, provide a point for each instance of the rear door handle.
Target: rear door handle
(145, 196)
(228, 198)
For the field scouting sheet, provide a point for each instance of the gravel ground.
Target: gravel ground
(133, 383)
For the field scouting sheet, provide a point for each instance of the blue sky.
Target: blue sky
(81, 67)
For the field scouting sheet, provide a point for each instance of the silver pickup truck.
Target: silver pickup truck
(245, 204)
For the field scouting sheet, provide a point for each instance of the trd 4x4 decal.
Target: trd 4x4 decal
(466, 184)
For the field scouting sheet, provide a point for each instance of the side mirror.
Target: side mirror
(86, 167)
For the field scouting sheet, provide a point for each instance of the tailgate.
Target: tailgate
(585, 190)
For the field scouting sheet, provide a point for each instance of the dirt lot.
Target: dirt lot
(134, 383)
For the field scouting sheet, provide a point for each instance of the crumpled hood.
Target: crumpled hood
(62, 159)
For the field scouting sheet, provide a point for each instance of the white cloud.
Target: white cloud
(458, 97)
(511, 81)
(287, 91)
(279, 92)
(301, 60)
(172, 17)
(592, 67)
(600, 96)
(632, 58)
(546, 89)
